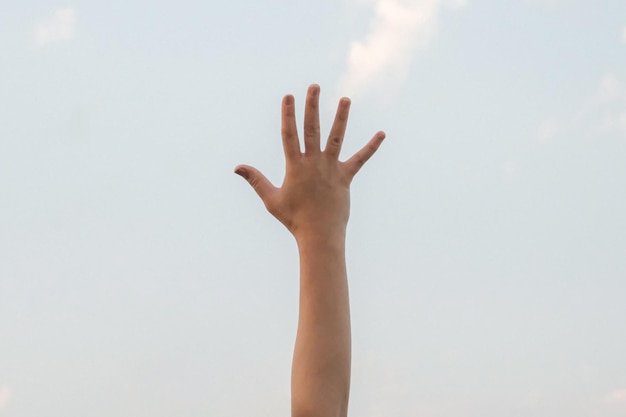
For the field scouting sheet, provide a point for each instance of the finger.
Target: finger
(356, 162)
(289, 130)
(312, 121)
(258, 181)
(337, 132)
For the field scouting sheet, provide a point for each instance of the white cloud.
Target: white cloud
(613, 123)
(602, 113)
(621, 122)
(61, 26)
(624, 34)
(610, 89)
(610, 103)
(5, 396)
(617, 396)
(548, 129)
(456, 4)
(399, 28)
(533, 399)
(509, 169)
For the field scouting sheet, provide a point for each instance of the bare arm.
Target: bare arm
(314, 204)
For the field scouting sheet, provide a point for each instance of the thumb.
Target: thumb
(258, 181)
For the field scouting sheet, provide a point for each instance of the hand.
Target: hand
(314, 199)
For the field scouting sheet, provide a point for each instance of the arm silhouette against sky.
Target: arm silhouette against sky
(314, 204)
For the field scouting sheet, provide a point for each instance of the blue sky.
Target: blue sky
(487, 240)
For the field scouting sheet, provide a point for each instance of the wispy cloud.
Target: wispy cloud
(509, 170)
(617, 396)
(548, 129)
(399, 28)
(5, 396)
(457, 4)
(59, 27)
(602, 113)
(624, 34)
(610, 88)
(610, 103)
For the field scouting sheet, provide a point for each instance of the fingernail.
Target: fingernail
(242, 172)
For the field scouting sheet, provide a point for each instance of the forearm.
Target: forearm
(313, 202)
(321, 363)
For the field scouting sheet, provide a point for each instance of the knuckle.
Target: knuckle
(286, 132)
(254, 182)
(312, 130)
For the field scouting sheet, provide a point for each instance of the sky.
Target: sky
(487, 241)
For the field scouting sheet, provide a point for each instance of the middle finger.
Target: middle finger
(312, 121)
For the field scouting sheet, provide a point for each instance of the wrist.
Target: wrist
(332, 238)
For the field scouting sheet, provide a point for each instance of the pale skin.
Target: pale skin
(314, 204)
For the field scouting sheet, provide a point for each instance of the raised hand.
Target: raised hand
(315, 195)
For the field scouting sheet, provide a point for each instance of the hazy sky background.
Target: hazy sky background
(487, 244)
